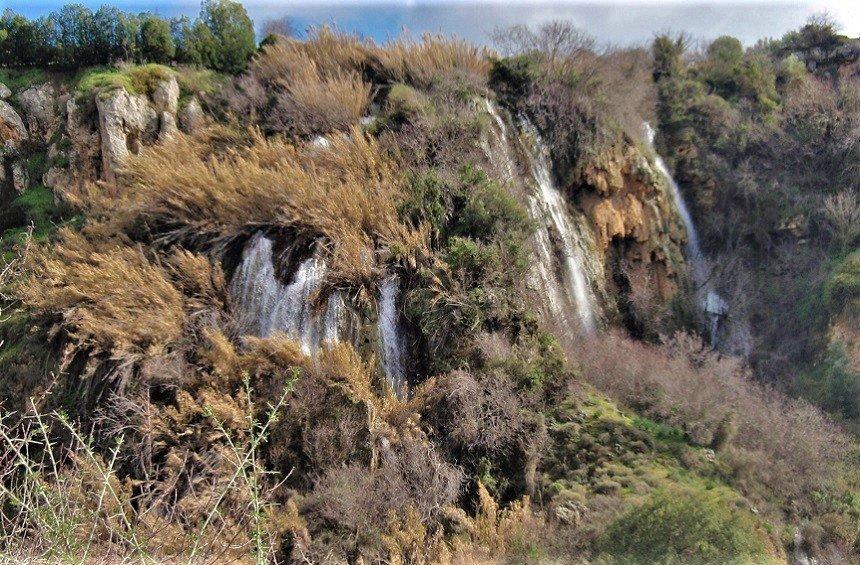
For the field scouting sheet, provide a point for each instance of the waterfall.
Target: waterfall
(694, 249)
(549, 203)
(266, 305)
(712, 303)
(571, 290)
(390, 335)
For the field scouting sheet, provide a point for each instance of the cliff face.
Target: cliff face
(636, 227)
(83, 137)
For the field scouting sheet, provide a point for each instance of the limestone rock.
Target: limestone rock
(12, 130)
(166, 96)
(40, 107)
(56, 178)
(191, 117)
(125, 120)
(20, 178)
(168, 127)
(4, 91)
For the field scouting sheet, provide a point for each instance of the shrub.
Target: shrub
(786, 444)
(434, 59)
(685, 525)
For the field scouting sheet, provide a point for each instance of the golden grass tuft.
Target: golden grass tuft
(434, 57)
(347, 193)
(109, 295)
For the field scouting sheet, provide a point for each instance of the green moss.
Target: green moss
(686, 525)
(141, 79)
(39, 209)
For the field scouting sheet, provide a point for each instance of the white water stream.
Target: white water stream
(266, 305)
(390, 335)
(712, 303)
(549, 210)
(550, 204)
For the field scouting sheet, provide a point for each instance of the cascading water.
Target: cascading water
(390, 335)
(572, 289)
(712, 303)
(266, 305)
(550, 203)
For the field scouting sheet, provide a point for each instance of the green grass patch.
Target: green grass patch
(684, 524)
(21, 79)
(141, 79)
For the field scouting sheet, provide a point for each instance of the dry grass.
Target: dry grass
(110, 296)
(433, 58)
(331, 53)
(347, 192)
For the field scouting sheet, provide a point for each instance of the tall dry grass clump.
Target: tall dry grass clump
(307, 88)
(347, 192)
(330, 52)
(434, 57)
(109, 296)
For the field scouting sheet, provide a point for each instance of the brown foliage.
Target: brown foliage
(433, 58)
(347, 193)
(110, 296)
(769, 439)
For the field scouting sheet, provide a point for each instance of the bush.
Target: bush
(232, 32)
(156, 42)
(685, 525)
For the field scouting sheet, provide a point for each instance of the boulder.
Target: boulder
(56, 178)
(40, 107)
(20, 178)
(166, 96)
(191, 117)
(12, 130)
(4, 91)
(125, 120)
(168, 127)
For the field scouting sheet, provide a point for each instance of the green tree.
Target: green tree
(156, 41)
(233, 34)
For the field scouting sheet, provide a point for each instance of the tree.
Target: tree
(233, 34)
(156, 41)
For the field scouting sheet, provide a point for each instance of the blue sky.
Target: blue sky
(628, 23)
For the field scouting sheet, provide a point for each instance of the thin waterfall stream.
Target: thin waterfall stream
(267, 306)
(550, 203)
(715, 307)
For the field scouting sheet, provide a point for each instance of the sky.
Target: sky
(631, 22)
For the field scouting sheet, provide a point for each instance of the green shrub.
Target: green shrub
(685, 525)
(843, 286)
(512, 78)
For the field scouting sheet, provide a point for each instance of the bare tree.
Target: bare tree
(842, 217)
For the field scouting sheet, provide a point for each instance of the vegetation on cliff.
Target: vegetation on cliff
(140, 422)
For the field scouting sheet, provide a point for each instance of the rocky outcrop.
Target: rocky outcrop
(12, 130)
(165, 97)
(40, 106)
(627, 204)
(125, 122)
(4, 91)
(191, 117)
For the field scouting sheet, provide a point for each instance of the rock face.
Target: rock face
(166, 96)
(4, 91)
(191, 117)
(40, 107)
(12, 130)
(125, 122)
(627, 204)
